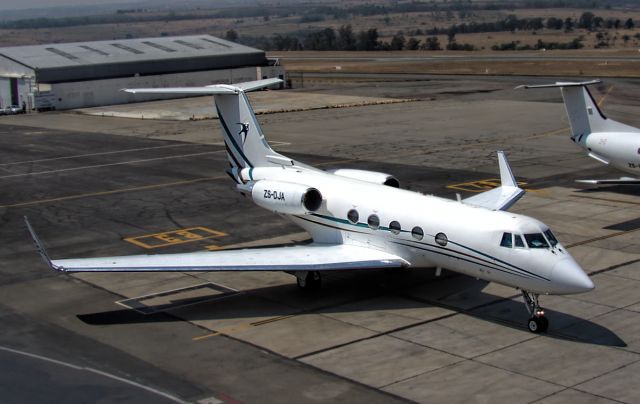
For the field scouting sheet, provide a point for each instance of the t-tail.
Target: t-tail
(585, 117)
(243, 138)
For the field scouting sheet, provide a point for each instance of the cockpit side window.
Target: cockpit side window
(536, 240)
(552, 239)
(519, 242)
(507, 240)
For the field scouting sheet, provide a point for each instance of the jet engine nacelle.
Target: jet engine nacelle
(286, 197)
(368, 176)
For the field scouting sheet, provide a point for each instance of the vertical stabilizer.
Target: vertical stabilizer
(243, 138)
(583, 112)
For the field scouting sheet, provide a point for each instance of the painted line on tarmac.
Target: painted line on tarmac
(242, 327)
(96, 371)
(601, 101)
(175, 237)
(465, 146)
(99, 154)
(591, 240)
(110, 164)
(115, 191)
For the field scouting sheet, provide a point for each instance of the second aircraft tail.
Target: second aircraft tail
(583, 112)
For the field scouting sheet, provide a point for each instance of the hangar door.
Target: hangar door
(15, 98)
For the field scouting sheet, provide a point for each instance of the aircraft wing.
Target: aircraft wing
(313, 257)
(503, 197)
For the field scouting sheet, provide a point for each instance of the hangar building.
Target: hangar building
(86, 74)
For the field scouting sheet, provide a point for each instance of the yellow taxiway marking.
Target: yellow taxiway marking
(241, 327)
(480, 185)
(174, 237)
(115, 191)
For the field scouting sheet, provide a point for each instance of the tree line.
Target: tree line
(345, 39)
(587, 20)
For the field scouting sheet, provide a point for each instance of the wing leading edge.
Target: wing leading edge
(313, 257)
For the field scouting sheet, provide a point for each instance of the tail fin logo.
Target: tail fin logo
(244, 131)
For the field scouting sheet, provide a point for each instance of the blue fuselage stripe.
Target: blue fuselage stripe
(232, 140)
(506, 267)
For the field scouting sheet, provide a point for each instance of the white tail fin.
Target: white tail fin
(245, 143)
(584, 114)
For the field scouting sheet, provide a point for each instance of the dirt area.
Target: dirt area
(387, 25)
(600, 63)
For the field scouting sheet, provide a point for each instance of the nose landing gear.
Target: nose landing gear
(537, 323)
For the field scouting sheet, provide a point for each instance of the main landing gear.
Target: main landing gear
(537, 322)
(308, 280)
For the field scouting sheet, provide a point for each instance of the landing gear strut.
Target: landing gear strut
(308, 280)
(537, 322)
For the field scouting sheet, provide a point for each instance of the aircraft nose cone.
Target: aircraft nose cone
(568, 277)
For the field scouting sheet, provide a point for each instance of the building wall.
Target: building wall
(23, 94)
(107, 92)
(9, 68)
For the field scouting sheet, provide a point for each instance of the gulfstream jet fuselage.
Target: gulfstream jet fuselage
(363, 220)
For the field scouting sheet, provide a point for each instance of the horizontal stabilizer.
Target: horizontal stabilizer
(562, 84)
(215, 89)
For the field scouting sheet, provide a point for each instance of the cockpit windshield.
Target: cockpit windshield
(536, 240)
(552, 239)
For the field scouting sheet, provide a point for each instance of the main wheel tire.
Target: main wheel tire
(544, 324)
(311, 281)
(538, 324)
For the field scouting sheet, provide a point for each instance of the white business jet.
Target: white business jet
(362, 220)
(610, 142)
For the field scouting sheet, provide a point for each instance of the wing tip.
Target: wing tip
(40, 247)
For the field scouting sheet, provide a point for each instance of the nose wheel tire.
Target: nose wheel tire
(538, 324)
(308, 280)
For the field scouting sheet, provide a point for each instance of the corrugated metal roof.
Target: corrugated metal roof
(132, 56)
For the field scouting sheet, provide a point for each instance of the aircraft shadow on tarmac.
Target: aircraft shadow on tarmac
(376, 290)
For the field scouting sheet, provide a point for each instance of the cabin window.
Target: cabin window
(417, 233)
(442, 239)
(373, 222)
(519, 243)
(395, 227)
(507, 240)
(353, 216)
(536, 240)
(552, 239)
